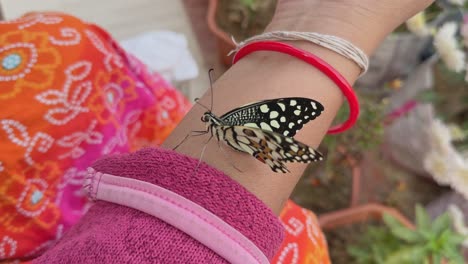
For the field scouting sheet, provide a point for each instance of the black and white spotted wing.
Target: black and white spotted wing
(285, 116)
(268, 147)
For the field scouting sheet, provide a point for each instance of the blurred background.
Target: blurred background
(410, 145)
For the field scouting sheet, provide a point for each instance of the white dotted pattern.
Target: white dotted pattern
(75, 140)
(7, 247)
(69, 100)
(72, 35)
(290, 248)
(110, 57)
(294, 226)
(17, 133)
(42, 186)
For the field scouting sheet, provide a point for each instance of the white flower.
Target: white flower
(457, 2)
(440, 137)
(443, 162)
(458, 220)
(446, 45)
(437, 165)
(459, 174)
(417, 25)
(456, 133)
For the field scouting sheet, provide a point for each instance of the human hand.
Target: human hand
(363, 22)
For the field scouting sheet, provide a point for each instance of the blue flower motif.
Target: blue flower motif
(36, 197)
(11, 61)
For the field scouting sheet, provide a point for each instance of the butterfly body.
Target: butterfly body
(265, 129)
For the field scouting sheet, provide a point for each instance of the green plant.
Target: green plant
(430, 242)
(251, 4)
(249, 13)
(381, 243)
(366, 134)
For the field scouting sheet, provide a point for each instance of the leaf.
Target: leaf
(428, 96)
(79, 93)
(51, 97)
(16, 132)
(436, 259)
(71, 140)
(391, 221)
(441, 223)
(423, 221)
(399, 230)
(79, 70)
(60, 115)
(456, 239)
(454, 257)
(407, 255)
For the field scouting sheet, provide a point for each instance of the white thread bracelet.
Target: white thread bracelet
(334, 43)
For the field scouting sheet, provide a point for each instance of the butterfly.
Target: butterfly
(265, 130)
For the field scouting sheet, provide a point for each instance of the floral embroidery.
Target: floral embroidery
(7, 247)
(304, 242)
(71, 178)
(163, 116)
(294, 226)
(33, 19)
(110, 57)
(114, 90)
(290, 249)
(121, 138)
(26, 62)
(18, 134)
(29, 195)
(69, 94)
(74, 141)
(72, 96)
(66, 32)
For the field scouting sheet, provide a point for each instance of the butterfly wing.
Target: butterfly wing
(285, 116)
(268, 147)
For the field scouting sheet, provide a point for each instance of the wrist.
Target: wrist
(347, 22)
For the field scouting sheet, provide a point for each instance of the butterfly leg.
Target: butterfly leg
(202, 153)
(194, 133)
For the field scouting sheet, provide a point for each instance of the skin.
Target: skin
(267, 75)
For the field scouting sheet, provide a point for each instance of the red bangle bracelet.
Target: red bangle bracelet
(318, 63)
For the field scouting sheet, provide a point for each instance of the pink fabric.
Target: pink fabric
(111, 233)
(177, 211)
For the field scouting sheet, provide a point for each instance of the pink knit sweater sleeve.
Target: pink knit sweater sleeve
(110, 233)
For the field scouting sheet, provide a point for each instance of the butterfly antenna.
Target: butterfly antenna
(210, 75)
(200, 104)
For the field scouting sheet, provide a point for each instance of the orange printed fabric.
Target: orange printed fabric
(68, 95)
(304, 241)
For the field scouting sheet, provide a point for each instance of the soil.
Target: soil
(239, 21)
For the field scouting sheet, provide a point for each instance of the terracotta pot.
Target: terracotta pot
(360, 214)
(225, 44)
